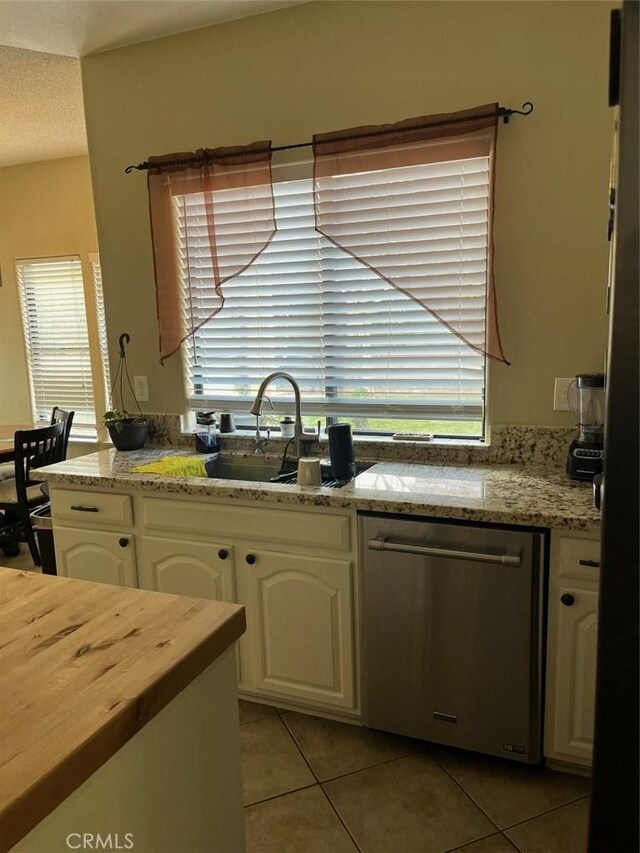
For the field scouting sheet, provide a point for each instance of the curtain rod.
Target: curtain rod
(503, 112)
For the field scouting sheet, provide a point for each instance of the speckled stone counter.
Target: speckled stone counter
(510, 444)
(505, 494)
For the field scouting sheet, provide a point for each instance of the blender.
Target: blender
(586, 399)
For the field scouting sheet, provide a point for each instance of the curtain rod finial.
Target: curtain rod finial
(139, 167)
(527, 109)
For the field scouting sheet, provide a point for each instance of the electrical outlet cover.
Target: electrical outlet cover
(561, 386)
(141, 388)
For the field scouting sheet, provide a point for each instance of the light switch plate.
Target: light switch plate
(560, 403)
(141, 388)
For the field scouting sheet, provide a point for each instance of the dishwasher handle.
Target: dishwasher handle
(427, 551)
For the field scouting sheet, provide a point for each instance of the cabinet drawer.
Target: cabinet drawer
(93, 507)
(579, 558)
(310, 529)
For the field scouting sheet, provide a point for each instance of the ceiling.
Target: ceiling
(41, 107)
(40, 45)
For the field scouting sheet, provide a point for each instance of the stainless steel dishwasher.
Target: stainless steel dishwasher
(452, 634)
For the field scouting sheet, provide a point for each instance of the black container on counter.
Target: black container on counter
(343, 464)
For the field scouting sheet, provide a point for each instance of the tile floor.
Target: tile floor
(317, 786)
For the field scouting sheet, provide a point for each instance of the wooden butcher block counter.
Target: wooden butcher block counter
(84, 667)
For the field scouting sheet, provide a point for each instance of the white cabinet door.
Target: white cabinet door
(299, 640)
(200, 569)
(574, 610)
(92, 555)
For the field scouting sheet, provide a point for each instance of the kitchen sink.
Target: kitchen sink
(257, 469)
(261, 469)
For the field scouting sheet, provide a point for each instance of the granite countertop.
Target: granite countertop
(84, 667)
(506, 494)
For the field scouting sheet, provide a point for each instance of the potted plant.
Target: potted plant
(127, 431)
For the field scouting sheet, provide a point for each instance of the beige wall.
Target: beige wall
(46, 209)
(329, 65)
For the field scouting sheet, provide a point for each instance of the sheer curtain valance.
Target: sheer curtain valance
(414, 202)
(238, 228)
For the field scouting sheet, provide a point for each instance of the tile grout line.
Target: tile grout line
(455, 781)
(548, 811)
(337, 814)
(257, 719)
(283, 794)
(368, 767)
(324, 793)
(299, 748)
(477, 841)
(293, 790)
(515, 844)
(513, 825)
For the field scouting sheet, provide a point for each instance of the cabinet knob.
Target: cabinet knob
(223, 553)
(567, 599)
(250, 558)
(123, 542)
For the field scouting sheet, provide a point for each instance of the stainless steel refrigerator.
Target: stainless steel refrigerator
(614, 806)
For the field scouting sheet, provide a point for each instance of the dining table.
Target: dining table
(7, 432)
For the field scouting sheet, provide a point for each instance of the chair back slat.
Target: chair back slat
(63, 415)
(35, 448)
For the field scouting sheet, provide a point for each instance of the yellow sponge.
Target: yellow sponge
(174, 466)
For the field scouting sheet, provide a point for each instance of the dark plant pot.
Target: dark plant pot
(131, 436)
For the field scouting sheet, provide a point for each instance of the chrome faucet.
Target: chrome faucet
(298, 430)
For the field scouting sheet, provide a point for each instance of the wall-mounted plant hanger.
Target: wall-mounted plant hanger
(127, 431)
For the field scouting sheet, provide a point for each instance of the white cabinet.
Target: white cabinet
(93, 555)
(293, 568)
(577, 627)
(299, 640)
(200, 569)
(572, 649)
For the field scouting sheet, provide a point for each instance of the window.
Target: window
(57, 340)
(361, 350)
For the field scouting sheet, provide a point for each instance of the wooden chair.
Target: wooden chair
(34, 448)
(62, 415)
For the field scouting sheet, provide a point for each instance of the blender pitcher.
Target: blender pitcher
(586, 399)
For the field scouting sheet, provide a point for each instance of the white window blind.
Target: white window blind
(96, 271)
(57, 340)
(356, 345)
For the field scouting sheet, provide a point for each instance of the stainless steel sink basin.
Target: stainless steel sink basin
(260, 469)
(255, 468)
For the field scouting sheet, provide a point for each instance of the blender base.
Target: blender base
(584, 460)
